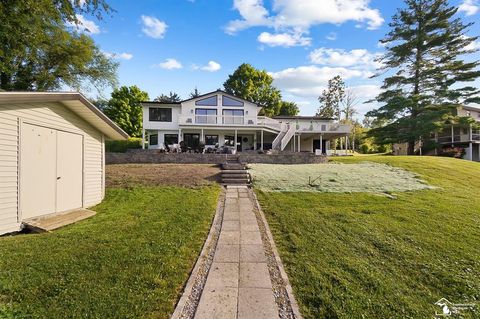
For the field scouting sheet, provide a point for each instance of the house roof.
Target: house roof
(472, 107)
(74, 101)
(222, 92)
(162, 103)
(311, 118)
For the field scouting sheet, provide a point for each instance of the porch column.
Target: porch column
(143, 138)
(235, 139)
(180, 135)
(202, 136)
(299, 144)
(470, 152)
(294, 143)
(470, 138)
(321, 143)
(453, 138)
(261, 139)
(255, 141)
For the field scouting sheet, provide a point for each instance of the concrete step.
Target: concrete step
(235, 181)
(235, 176)
(236, 166)
(234, 171)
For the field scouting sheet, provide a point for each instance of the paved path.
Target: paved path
(238, 283)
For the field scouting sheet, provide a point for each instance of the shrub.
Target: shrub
(456, 152)
(123, 146)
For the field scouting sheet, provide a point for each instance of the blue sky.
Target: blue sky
(177, 45)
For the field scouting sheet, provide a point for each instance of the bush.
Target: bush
(364, 149)
(123, 146)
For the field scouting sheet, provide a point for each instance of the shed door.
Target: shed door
(37, 170)
(69, 171)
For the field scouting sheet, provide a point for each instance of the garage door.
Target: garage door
(51, 164)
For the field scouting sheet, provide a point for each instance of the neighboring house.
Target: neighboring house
(465, 137)
(51, 155)
(219, 119)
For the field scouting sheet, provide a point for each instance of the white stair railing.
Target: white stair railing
(277, 142)
(288, 136)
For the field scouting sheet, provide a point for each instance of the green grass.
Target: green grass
(361, 255)
(129, 261)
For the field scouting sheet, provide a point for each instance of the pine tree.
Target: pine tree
(426, 74)
(331, 98)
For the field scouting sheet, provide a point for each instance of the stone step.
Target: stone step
(234, 171)
(235, 181)
(235, 175)
(236, 166)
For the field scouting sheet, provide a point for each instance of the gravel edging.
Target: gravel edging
(187, 305)
(282, 290)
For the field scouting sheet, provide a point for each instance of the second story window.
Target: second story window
(157, 114)
(232, 116)
(206, 116)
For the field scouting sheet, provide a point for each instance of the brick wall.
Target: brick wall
(154, 156)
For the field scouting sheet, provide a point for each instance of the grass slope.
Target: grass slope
(366, 256)
(129, 261)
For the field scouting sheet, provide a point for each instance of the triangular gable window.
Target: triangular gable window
(227, 101)
(209, 101)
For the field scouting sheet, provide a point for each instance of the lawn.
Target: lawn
(361, 255)
(131, 260)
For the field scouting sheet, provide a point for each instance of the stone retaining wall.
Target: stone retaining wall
(154, 156)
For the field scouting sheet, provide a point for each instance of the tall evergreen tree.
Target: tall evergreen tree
(172, 97)
(427, 76)
(195, 93)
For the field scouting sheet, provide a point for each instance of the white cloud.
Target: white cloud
(297, 16)
(211, 66)
(470, 7)
(310, 81)
(153, 27)
(474, 45)
(170, 64)
(358, 58)
(283, 39)
(120, 56)
(84, 25)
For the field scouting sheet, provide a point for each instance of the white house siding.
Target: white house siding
(55, 116)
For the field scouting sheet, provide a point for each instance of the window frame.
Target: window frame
(214, 137)
(167, 118)
(169, 136)
(242, 104)
(233, 119)
(150, 139)
(206, 118)
(199, 102)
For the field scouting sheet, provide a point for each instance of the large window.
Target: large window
(153, 139)
(211, 139)
(157, 114)
(232, 116)
(227, 101)
(206, 116)
(209, 101)
(171, 139)
(191, 140)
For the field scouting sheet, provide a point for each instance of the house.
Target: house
(51, 155)
(464, 137)
(221, 119)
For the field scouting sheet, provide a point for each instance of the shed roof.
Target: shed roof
(74, 101)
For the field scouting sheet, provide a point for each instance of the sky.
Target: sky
(177, 45)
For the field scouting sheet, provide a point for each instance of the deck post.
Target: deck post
(202, 136)
(180, 135)
(143, 138)
(261, 139)
(299, 144)
(255, 141)
(235, 140)
(470, 151)
(294, 143)
(321, 143)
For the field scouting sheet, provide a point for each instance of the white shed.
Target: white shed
(52, 148)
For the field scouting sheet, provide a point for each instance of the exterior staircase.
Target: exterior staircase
(283, 138)
(234, 172)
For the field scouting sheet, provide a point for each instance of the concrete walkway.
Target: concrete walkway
(238, 284)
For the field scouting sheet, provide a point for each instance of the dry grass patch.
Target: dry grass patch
(189, 175)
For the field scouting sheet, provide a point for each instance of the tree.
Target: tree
(331, 98)
(195, 93)
(172, 97)
(256, 86)
(288, 109)
(40, 50)
(348, 105)
(124, 108)
(427, 74)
